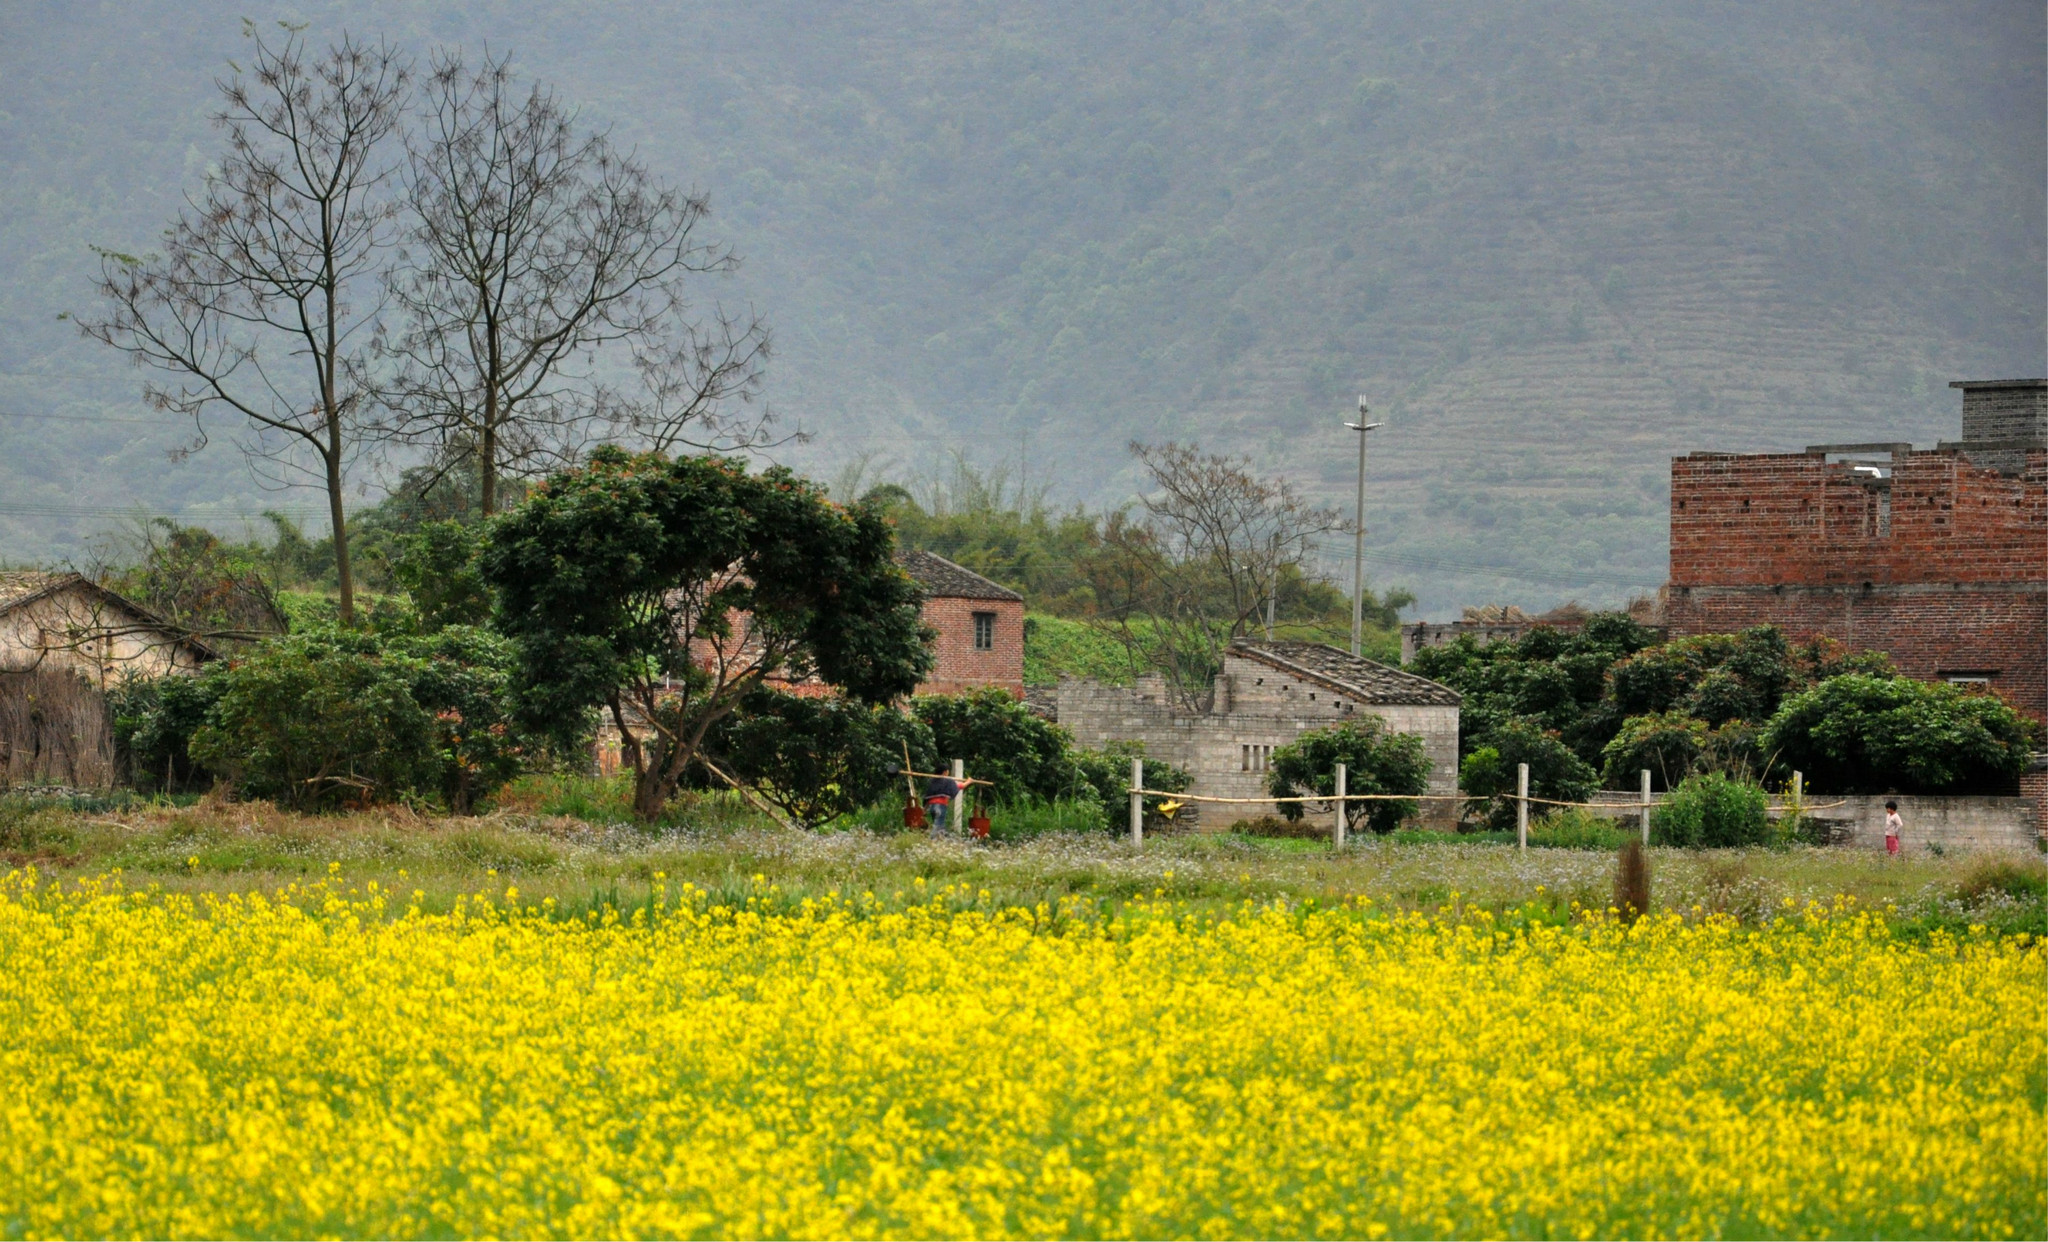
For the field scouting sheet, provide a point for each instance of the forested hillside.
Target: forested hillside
(1555, 244)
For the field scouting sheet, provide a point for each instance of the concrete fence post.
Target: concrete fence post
(1646, 807)
(1137, 802)
(1798, 791)
(958, 819)
(1341, 807)
(1521, 806)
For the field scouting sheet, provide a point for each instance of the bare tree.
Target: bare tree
(535, 250)
(261, 299)
(1179, 585)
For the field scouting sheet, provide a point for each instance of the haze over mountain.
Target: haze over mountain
(1554, 244)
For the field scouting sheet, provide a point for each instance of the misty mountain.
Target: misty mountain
(1554, 245)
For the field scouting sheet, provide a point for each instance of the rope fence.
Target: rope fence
(1352, 797)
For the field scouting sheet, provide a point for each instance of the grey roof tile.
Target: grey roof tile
(942, 579)
(1368, 681)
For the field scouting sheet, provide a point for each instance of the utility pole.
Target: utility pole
(1358, 535)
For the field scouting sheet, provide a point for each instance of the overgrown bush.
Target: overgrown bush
(1859, 733)
(2020, 881)
(1106, 775)
(1668, 744)
(819, 757)
(1001, 740)
(1377, 760)
(154, 720)
(1576, 828)
(319, 721)
(1554, 771)
(1712, 811)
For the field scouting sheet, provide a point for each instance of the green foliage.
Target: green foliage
(1106, 776)
(610, 574)
(1712, 811)
(1056, 647)
(1002, 741)
(1576, 828)
(1669, 744)
(462, 675)
(154, 720)
(1377, 760)
(1555, 677)
(1554, 771)
(2005, 877)
(818, 757)
(1858, 733)
(318, 721)
(439, 571)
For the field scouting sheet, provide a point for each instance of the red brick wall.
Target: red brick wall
(959, 666)
(1960, 582)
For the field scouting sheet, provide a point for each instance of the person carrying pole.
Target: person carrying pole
(940, 793)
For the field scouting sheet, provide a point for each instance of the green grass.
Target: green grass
(539, 840)
(1061, 646)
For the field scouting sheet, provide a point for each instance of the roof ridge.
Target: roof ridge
(965, 583)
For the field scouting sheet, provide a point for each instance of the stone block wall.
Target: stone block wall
(1258, 711)
(1958, 823)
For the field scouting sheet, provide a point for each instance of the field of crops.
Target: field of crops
(323, 1062)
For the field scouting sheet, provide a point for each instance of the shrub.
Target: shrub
(1554, 771)
(1106, 774)
(818, 758)
(1377, 760)
(438, 569)
(316, 721)
(1576, 828)
(154, 720)
(463, 678)
(1001, 740)
(1859, 733)
(1712, 811)
(1669, 744)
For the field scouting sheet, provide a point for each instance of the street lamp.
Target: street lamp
(1358, 535)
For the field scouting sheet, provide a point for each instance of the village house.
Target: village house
(65, 641)
(1268, 694)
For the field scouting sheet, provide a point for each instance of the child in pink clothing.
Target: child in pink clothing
(1892, 825)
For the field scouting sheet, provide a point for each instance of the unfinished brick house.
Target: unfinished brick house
(65, 641)
(980, 626)
(1268, 694)
(1938, 556)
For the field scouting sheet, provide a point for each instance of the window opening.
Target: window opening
(984, 631)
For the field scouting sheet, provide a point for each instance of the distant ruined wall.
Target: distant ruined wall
(1259, 709)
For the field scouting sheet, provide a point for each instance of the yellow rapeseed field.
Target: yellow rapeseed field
(327, 1062)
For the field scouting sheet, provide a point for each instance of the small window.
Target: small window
(984, 631)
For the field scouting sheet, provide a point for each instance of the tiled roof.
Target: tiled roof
(18, 586)
(942, 579)
(1368, 681)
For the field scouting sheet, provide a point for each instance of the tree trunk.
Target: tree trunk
(339, 520)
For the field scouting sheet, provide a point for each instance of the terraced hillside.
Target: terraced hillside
(1556, 245)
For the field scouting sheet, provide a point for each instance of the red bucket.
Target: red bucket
(913, 814)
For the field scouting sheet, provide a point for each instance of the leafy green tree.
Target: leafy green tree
(317, 720)
(1668, 744)
(439, 571)
(462, 676)
(1489, 772)
(664, 591)
(1862, 734)
(1002, 741)
(1712, 810)
(1377, 760)
(818, 757)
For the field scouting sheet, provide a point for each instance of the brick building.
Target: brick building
(980, 626)
(1938, 557)
(1268, 694)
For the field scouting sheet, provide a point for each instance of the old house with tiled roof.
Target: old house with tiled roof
(1268, 694)
(64, 641)
(980, 626)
